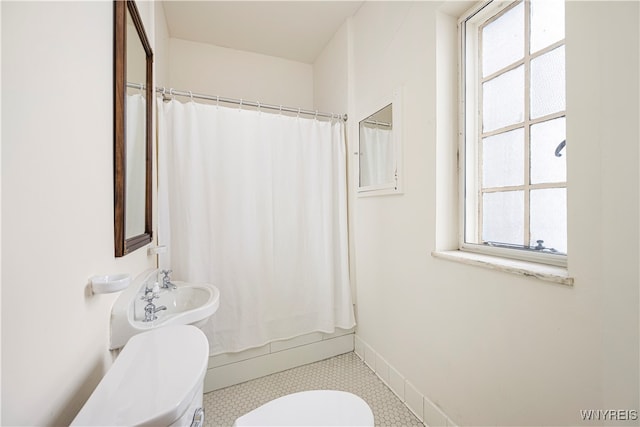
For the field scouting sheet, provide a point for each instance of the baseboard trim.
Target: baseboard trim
(421, 406)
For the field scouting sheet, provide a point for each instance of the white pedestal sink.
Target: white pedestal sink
(188, 304)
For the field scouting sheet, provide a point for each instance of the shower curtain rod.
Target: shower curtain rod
(377, 123)
(136, 85)
(241, 102)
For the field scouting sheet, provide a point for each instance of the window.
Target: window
(514, 148)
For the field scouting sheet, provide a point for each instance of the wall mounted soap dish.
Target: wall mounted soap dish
(108, 283)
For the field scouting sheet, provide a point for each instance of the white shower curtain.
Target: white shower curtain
(255, 203)
(376, 145)
(136, 156)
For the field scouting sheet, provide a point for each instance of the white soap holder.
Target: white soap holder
(108, 283)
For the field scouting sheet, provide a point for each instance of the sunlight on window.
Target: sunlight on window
(515, 69)
(503, 41)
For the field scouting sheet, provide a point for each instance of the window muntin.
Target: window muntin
(514, 158)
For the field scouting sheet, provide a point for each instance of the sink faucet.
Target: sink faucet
(166, 280)
(150, 310)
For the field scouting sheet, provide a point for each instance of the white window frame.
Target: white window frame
(470, 120)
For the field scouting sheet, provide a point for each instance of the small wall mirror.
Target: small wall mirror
(133, 91)
(379, 151)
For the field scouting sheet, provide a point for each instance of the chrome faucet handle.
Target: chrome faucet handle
(150, 311)
(151, 293)
(166, 280)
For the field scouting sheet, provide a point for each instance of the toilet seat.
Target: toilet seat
(311, 408)
(152, 382)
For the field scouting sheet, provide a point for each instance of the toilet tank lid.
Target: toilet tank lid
(311, 408)
(152, 381)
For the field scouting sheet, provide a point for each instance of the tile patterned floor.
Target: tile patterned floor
(345, 372)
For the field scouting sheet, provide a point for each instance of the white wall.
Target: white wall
(161, 60)
(487, 347)
(214, 70)
(603, 96)
(57, 205)
(331, 73)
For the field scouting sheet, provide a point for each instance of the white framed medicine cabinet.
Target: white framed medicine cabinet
(379, 165)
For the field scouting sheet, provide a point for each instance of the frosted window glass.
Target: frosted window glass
(545, 139)
(547, 23)
(548, 83)
(548, 221)
(503, 100)
(503, 41)
(503, 217)
(503, 159)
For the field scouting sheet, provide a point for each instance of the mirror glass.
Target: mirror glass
(377, 152)
(135, 133)
(133, 85)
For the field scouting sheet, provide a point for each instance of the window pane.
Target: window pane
(545, 140)
(503, 217)
(503, 41)
(548, 221)
(547, 23)
(503, 159)
(548, 83)
(503, 100)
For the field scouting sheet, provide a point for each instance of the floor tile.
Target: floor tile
(345, 372)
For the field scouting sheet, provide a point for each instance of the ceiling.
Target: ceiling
(295, 30)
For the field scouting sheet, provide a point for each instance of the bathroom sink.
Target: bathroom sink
(187, 304)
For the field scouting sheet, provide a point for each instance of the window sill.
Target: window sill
(548, 273)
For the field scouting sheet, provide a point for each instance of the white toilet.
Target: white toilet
(311, 408)
(158, 380)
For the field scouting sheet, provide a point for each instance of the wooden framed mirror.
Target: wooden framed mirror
(133, 96)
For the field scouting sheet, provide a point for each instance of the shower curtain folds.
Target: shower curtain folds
(255, 203)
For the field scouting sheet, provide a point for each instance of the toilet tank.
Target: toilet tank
(156, 380)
